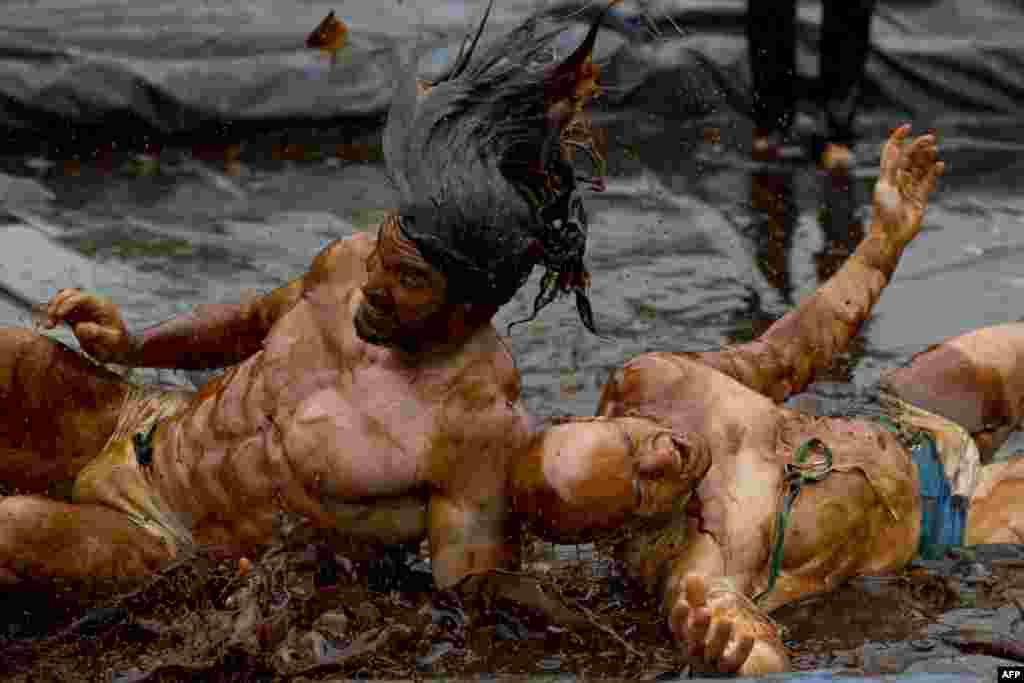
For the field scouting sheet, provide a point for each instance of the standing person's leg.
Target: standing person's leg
(843, 52)
(771, 40)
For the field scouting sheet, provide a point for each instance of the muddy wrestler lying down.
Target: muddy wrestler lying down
(374, 387)
(373, 381)
(731, 505)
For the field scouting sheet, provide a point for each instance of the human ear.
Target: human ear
(662, 456)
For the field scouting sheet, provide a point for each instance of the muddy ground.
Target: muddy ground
(303, 612)
(685, 255)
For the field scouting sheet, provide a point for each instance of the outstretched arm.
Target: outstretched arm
(784, 359)
(210, 336)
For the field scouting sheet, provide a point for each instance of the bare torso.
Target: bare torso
(321, 423)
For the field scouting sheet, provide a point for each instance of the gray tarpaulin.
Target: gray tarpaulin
(74, 68)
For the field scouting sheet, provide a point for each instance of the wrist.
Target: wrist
(880, 251)
(131, 353)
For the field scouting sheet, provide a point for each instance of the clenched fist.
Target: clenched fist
(96, 322)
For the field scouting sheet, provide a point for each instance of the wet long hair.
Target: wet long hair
(484, 189)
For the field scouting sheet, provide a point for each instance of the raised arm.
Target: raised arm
(210, 336)
(784, 359)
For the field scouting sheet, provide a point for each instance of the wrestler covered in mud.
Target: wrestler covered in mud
(738, 505)
(370, 395)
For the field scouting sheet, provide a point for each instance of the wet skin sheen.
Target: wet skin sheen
(684, 463)
(320, 417)
(709, 557)
(312, 419)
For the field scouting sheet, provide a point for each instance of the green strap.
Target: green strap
(797, 474)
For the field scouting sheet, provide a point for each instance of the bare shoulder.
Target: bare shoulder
(486, 392)
(343, 259)
(647, 380)
(487, 373)
(484, 424)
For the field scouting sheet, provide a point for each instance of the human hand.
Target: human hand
(96, 322)
(718, 637)
(908, 174)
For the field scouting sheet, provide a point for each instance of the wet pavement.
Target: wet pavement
(688, 250)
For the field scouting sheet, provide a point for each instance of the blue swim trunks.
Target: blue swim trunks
(943, 515)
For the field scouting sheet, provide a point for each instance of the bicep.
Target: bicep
(270, 307)
(343, 260)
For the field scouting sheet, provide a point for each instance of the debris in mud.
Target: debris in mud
(300, 609)
(303, 611)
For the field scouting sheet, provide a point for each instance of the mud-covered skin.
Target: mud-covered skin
(863, 519)
(314, 420)
(319, 417)
(364, 394)
(976, 380)
(352, 422)
(712, 555)
(601, 479)
(995, 515)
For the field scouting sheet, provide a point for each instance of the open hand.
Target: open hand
(711, 644)
(96, 322)
(909, 172)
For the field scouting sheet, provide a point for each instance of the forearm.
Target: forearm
(785, 359)
(212, 335)
(467, 541)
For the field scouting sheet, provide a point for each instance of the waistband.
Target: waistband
(116, 477)
(955, 447)
(948, 463)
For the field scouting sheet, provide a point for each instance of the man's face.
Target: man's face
(405, 302)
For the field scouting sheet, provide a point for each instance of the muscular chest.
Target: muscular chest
(368, 432)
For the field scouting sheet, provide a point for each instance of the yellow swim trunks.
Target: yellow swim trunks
(115, 477)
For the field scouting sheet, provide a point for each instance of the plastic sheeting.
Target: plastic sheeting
(78, 68)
